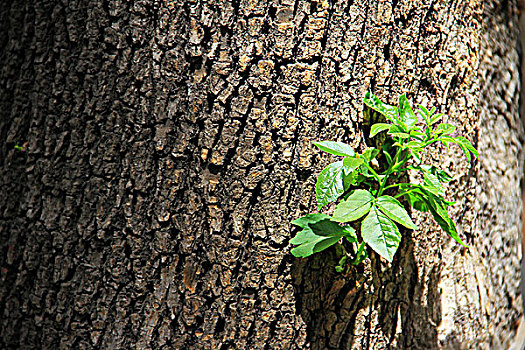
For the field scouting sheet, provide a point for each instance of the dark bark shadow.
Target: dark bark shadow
(399, 311)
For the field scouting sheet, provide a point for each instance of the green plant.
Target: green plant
(21, 148)
(370, 185)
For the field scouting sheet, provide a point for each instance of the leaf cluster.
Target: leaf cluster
(369, 210)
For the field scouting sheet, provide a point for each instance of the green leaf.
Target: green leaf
(381, 234)
(318, 236)
(424, 113)
(310, 219)
(406, 114)
(466, 146)
(387, 156)
(432, 184)
(418, 204)
(415, 153)
(369, 154)
(349, 179)
(414, 198)
(424, 110)
(398, 131)
(377, 128)
(355, 206)
(329, 185)
(340, 267)
(364, 172)
(390, 112)
(331, 228)
(351, 163)
(395, 211)
(414, 144)
(445, 129)
(360, 255)
(436, 118)
(417, 135)
(446, 140)
(463, 143)
(335, 148)
(310, 243)
(442, 175)
(438, 209)
(439, 212)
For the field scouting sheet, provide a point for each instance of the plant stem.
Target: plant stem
(382, 187)
(391, 186)
(373, 172)
(389, 171)
(404, 193)
(359, 253)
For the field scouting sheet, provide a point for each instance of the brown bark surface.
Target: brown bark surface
(167, 146)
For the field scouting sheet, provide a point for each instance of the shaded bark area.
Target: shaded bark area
(169, 146)
(501, 141)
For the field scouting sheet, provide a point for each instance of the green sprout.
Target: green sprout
(371, 189)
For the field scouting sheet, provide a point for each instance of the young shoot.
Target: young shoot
(369, 211)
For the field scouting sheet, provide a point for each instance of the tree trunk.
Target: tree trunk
(166, 145)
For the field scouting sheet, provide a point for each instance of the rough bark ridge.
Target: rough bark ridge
(168, 147)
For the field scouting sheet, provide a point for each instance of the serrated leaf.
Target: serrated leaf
(398, 131)
(395, 211)
(438, 209)
(424, 110)
(432, 184)
(415, 201)
(406, 114)
(331, 228)
(436, 118)
(465, 151)
(466, 145)
(369, 154)
(414, 144)
(442, 175)
(417, 135)
(420, 205)
(319, 236)
(390, 112)
(446, 140)
(335, 147)
(463, 143)
(424, 113)
(349, 179)
(377, 128)
(381, 234)
(351, 163)
(310, 243)
(441, 216)
(329, 185)
(415, 154)
(355, 206)
(309, 219)
(445, 129)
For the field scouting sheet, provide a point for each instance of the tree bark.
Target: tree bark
(166, 145)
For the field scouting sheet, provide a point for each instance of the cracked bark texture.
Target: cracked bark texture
(167, 146)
